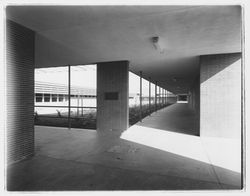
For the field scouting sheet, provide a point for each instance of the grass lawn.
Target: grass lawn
(88, 120)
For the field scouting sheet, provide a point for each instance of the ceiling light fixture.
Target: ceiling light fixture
(157, 44)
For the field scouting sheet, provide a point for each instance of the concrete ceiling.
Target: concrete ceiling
(91, 34)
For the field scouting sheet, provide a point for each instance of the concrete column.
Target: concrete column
(220, 95)
(194, 96)
(82, 104)
(160, 96)
(19, 91)
(164, 96)
(155, 95)
(112, 96)
(140, 96)
(149, 95)
(78, 101)
(167, 97)
(69, 95)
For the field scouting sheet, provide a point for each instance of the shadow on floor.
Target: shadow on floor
(77, 160)
(43, 173)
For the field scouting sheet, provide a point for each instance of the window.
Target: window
(46, 97)
(54, 97)
(39, 97)
(60, 98)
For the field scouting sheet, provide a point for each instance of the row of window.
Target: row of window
(46, 97)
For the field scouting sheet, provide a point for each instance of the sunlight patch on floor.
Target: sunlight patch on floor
(224, 152)
(221, 153)
(180, 144)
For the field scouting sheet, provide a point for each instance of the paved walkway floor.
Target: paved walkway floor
(148, 156)
(175, 118)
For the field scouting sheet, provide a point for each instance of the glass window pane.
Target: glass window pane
(39, 97)
(46, 97)
(83, 86)
(134, 90)
(54, 97)
(60, 98)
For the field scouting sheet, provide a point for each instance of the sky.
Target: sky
(85, 76)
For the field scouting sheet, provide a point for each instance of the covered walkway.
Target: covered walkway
(191, 51)
(177, 118)
(160, 153)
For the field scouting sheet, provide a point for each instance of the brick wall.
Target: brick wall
(220, 95)
(20, 91)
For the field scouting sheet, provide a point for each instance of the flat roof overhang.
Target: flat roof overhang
(91, 34)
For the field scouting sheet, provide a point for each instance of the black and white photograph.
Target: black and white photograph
(124, 97)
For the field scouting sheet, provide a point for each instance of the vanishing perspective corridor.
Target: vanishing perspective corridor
(114, 97)
(153, 154)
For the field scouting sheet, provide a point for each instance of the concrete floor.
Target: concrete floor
(176, 118)
(160, 153)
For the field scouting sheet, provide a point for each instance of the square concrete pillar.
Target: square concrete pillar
(220, 95)
(194, 98)
(112, 96)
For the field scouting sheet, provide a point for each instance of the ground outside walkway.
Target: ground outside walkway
(163, 152)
